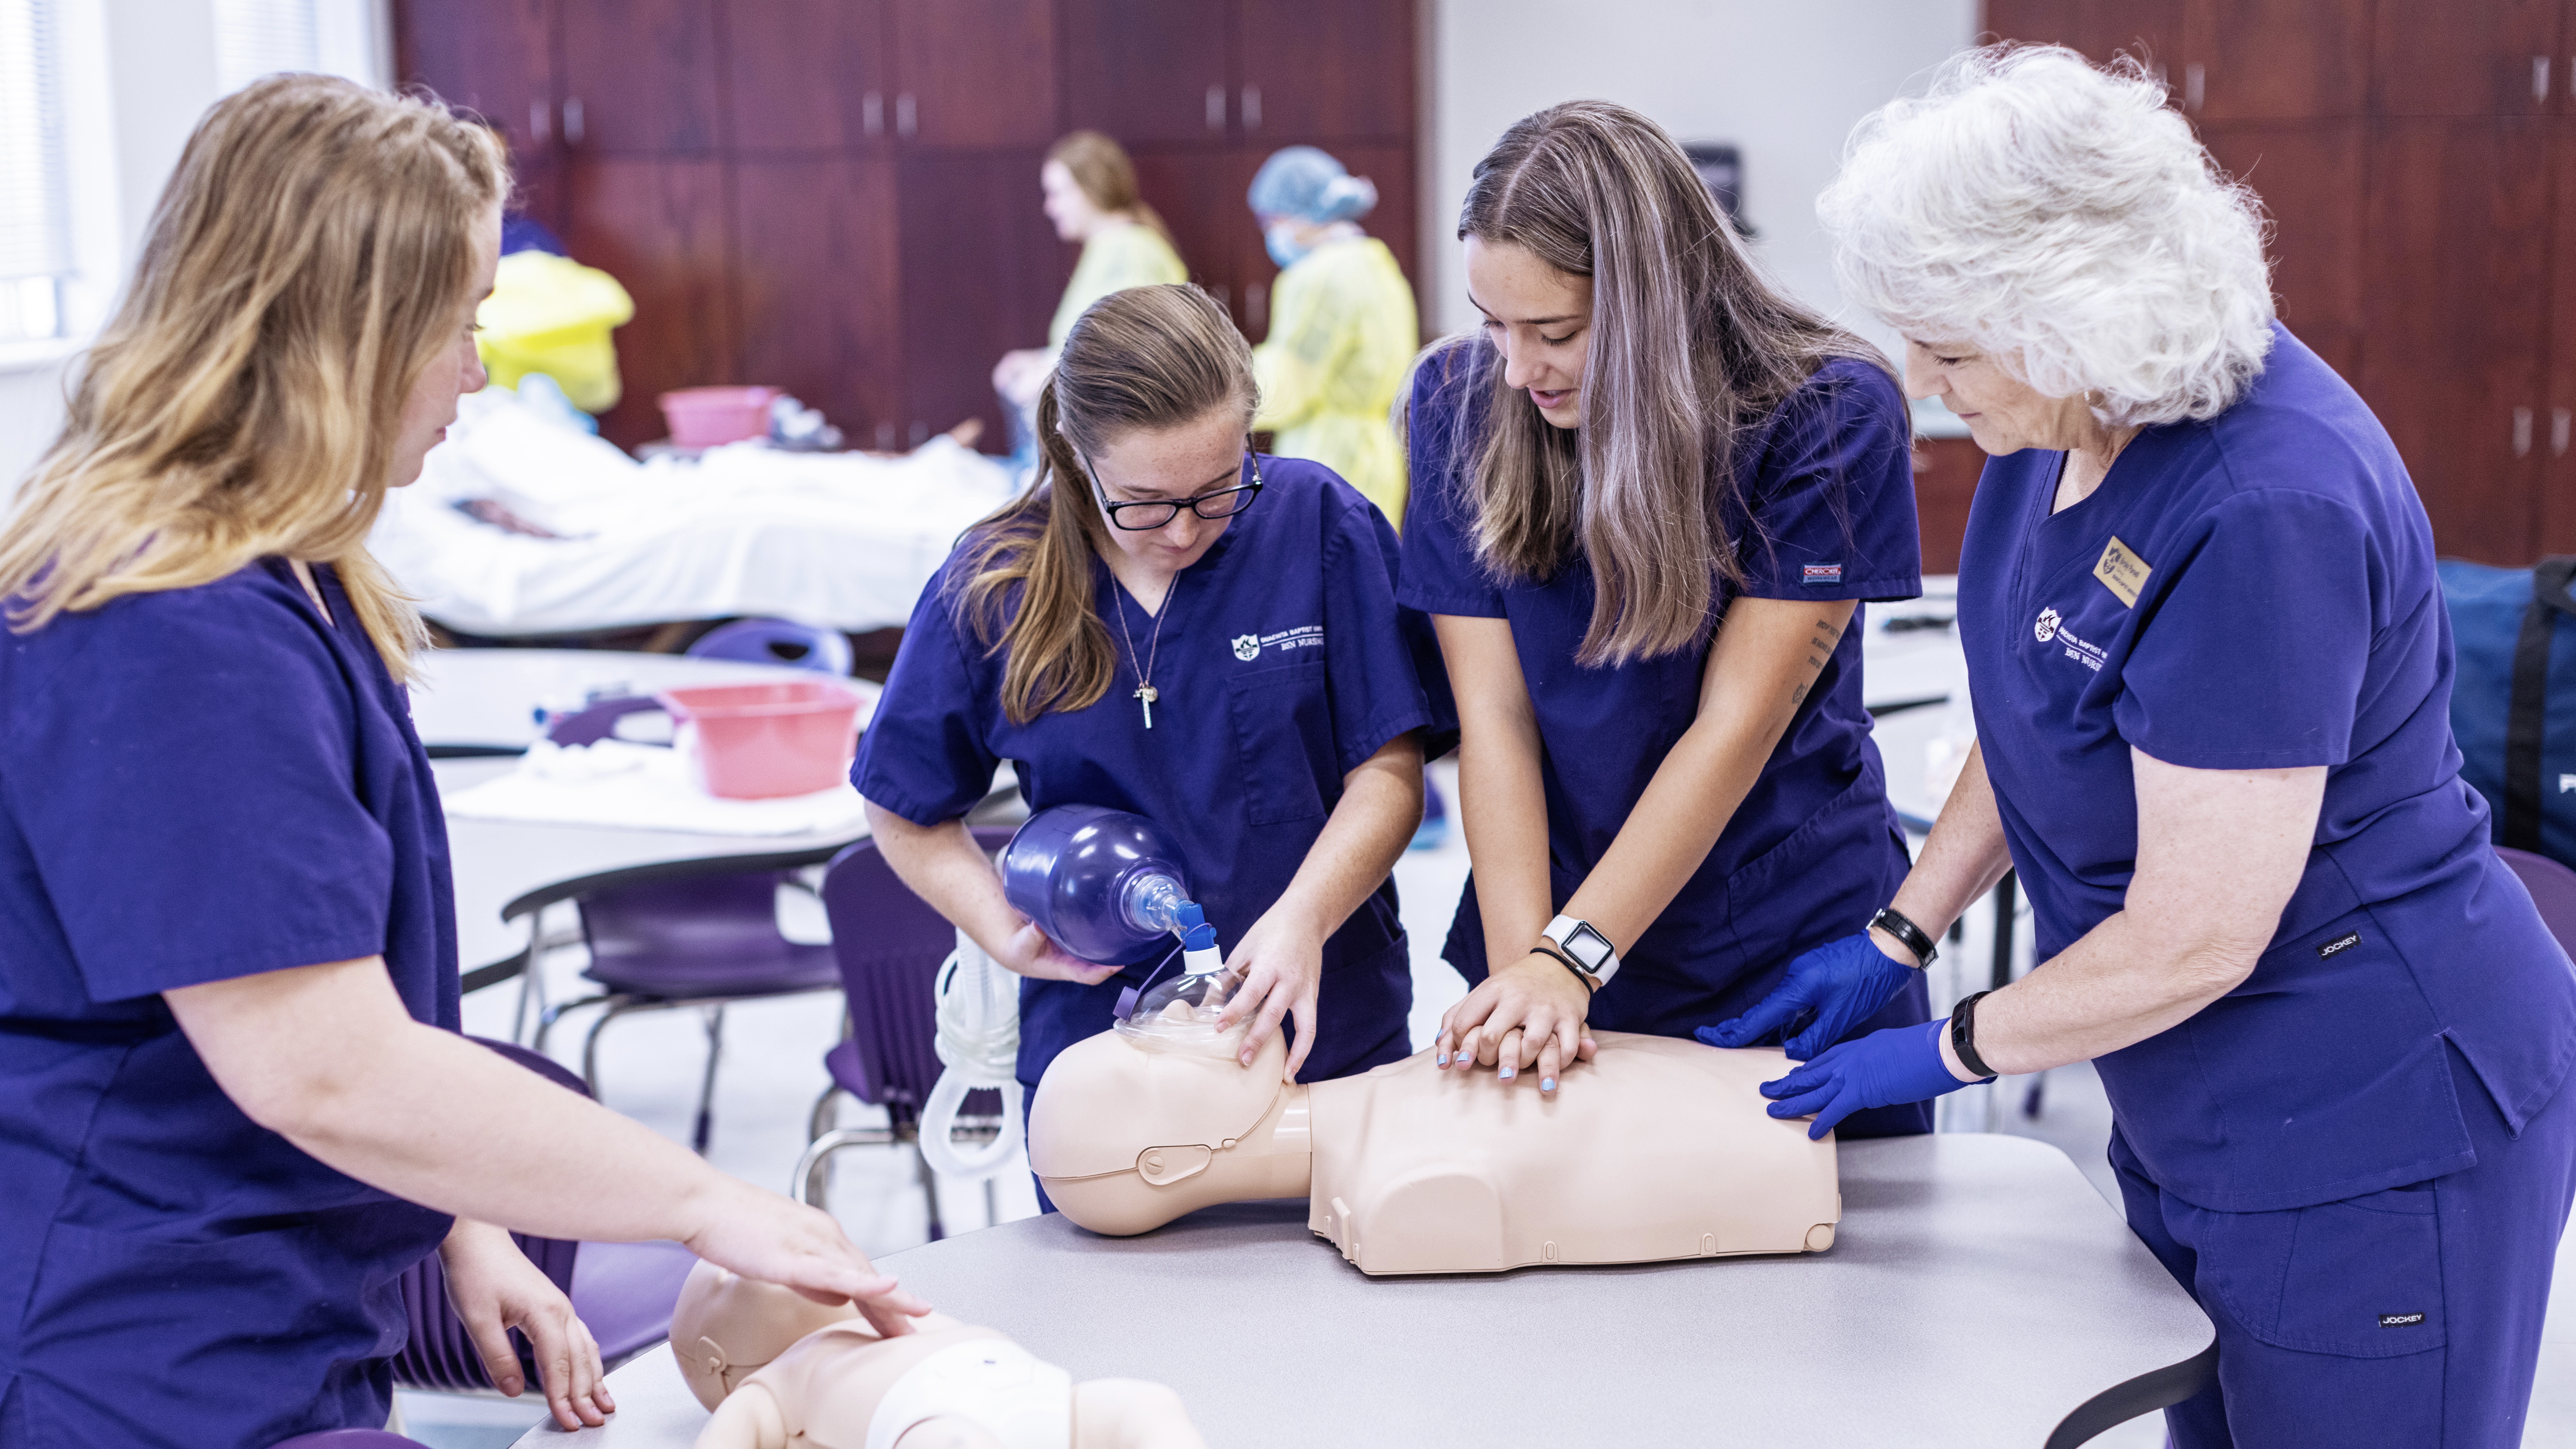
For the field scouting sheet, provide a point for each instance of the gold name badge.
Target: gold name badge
(2122, 571)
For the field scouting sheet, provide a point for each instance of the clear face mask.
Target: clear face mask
(1183, 1011)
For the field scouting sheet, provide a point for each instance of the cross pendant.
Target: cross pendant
(1147, 694)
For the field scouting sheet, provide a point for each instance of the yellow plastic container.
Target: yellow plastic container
(551, 314)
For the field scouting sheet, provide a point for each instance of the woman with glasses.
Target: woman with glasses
(1169, 624)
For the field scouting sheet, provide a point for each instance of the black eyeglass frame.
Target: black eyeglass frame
(1251, 494)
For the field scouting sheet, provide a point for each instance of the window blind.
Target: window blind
(254, 38)
(34, 193)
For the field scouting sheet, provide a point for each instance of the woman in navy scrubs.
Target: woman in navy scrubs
(2212, 671)
(237, 1105)
(1169, 624)
(1646, 508)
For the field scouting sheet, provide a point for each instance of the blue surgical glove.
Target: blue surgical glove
(1882, 1069)
(1833, 988)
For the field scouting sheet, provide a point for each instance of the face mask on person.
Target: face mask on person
(1285, 249)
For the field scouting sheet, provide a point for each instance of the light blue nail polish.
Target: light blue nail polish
(1507, 1074)
(1441, 1061)
(1547, 1084)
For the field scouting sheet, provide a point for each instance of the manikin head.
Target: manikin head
(1129, 1132)
(726, 1328)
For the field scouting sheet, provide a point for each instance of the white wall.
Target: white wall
(1783, 81)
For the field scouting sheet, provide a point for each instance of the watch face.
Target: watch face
(1588, 946)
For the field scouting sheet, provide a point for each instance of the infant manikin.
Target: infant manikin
(1655, 1149)
(784, 1372)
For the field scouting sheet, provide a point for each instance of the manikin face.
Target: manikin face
(454, 372)
(2003, 413)
(1169, 464)
(1539, 319)
(1067, 205)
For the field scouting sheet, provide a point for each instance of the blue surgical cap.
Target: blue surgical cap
(1305, 183)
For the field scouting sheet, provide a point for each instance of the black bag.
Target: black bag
(2513, 699)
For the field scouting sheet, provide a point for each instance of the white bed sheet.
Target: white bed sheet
(842, 540)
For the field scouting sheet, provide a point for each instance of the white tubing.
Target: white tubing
(979, 1041)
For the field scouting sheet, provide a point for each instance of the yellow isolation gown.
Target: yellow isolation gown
(1342, 332)
(1114, 259)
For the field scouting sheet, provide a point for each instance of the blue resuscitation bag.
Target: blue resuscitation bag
(2513, 699)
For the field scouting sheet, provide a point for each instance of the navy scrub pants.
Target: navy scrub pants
(2410, 1316)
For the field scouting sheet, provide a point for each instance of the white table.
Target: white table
(486, 699)
(1273, 1339)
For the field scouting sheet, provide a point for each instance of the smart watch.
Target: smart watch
(1589, 950)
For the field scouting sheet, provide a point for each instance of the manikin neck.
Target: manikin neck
(1275, 1158)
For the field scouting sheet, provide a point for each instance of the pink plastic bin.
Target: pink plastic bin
(756, 741)
(709, 417)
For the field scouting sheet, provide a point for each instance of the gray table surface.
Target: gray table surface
(1888, 1339)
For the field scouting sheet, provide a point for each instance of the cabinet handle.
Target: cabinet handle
(872, 113)
(1250, 108)
(906, 117)
(2558, 420)
(2522, 432)
(1224, 298)
(1216, 108)
(572, 121)
(540, 122)
(1256, 307)
(2195, 86)
(2540, 80)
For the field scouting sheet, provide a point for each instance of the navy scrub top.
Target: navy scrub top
(1283, 665)
(197, 785)
(2257, 592)
(1815, 848)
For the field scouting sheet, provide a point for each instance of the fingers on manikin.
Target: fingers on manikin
(1551, 1059)
(1507, 1053)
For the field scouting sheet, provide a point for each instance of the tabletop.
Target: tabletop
(486, 698)
(1272, 1339)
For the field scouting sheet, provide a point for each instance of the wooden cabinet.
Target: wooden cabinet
(2552, 429)
(1298, 80)
(981, 272)
(2312, 176)
(2491, 58)
(815, 277)
(974, 73)
(2276, 59)
(639, 77)
(1945, 479)
(811, 79)
(660, 227)
(1150, 72)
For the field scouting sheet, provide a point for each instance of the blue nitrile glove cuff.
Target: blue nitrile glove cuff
(1882, 1069)
(1831, 989)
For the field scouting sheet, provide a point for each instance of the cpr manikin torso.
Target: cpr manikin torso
(1655, 1149)
(783, 1372)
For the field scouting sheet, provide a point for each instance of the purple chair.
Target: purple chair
(2553, 889)
(776, 641)
(350, 1439)
(623, 1291)
(890, 944)
(685, 933)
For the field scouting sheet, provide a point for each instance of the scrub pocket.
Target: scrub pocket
(2359, 1278)
(1283, 724)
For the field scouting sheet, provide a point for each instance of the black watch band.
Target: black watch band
(1589, 984)
(1963, 1035)
(1906, 931)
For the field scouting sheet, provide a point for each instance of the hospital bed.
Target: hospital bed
(523, 525)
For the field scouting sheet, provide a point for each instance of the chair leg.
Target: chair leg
(548, 1016)
(808, 1182)
(992, 1203)
(824, 1114)
(929, 1188)
(707, 1088)
(616, 1006)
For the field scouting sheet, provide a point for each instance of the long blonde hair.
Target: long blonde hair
(1148, 357)
(1100, 166)
(1690, 345)
(304, 267)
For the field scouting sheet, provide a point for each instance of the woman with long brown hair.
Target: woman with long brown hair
(1646, 506)
(1168, 623)
(239, 1107)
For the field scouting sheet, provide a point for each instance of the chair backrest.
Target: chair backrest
(724, 918)
(2553, 889)
(889, 943)
(776, 641)
(440, 1355)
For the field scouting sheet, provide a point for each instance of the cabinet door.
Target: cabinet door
(2151, 30)
(2492, 58)
(974, 72)
(2276, 59)
(2311, 177)
(2456, 304)
(807, 76)
(1199, 193)
(1320, 71)
(2557, 427)
(1148, 71)
(658, 226)
(982, 272)
(814, 274)
(496, 59)
(639, 77)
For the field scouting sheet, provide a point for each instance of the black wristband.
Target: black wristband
(1963, 1035)
(1589, 985)
(1906, 931)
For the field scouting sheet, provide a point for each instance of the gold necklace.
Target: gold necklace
(1146, 693)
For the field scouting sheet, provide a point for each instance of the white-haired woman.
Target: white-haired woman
(2212, 671)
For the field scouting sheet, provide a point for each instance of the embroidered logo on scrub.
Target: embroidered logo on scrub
(2050, 627)
(2400, 1320)
(2346, 941)
(2122, 571)
(1248, 647)
(1818, 576)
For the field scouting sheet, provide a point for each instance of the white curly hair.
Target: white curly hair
(2060, 217)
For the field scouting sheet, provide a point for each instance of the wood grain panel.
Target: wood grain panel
(494, 58)
(982, 272)
(659, 227)
(816, 287)
(1141, 70)
(2280, 59)
(1327, 70)
(979, 73)
(1200, 194)
(2456, 307)
(2311, 177)
(645, 73)
(802, 73)
(2438, 58)
(2557, 426)
(1945, 481)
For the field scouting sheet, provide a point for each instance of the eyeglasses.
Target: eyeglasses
(1154, 513)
